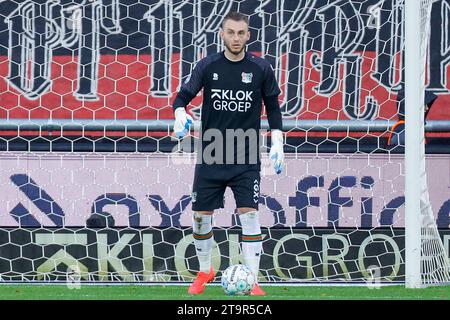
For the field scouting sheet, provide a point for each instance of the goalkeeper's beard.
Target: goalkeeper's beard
(232, 51)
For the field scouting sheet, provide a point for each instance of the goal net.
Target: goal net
(426, 259)
(95, 188)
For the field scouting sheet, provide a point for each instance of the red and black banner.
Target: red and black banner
(122, 59)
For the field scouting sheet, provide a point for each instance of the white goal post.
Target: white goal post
(425, 258)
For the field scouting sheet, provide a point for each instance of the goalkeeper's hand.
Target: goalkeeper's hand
(182, 123)
(276, 151)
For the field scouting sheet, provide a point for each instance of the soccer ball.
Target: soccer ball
(238, 280)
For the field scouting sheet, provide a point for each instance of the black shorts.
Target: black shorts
(210, 183)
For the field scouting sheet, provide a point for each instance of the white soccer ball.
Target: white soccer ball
(238, 280)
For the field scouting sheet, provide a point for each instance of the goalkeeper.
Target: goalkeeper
(234, 84)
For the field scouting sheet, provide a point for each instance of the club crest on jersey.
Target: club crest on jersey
(247, 77)
(215, 76)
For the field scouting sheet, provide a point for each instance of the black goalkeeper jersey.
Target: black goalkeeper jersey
(233, 92)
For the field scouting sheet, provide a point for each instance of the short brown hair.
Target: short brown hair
(235, 16)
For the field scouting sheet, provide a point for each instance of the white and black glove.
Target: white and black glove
(182, 122)
(276, 151)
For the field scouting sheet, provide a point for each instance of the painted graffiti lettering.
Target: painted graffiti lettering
(332, 38)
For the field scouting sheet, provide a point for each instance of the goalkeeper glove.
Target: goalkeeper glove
(182, 122)
(276, 151)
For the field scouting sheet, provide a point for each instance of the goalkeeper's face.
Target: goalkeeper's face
(235, 35)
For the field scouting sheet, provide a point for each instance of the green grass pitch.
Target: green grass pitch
(214, 292)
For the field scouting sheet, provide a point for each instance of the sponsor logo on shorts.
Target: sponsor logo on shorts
(255, 191)
(194, 197)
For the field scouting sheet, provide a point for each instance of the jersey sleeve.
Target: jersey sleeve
(270, 85)
(273, 113)
(191, 86)
(271, 91)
